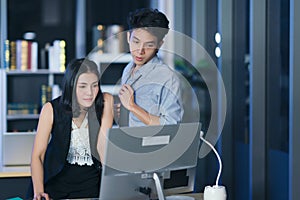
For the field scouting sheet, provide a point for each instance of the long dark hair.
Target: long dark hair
(68, 98)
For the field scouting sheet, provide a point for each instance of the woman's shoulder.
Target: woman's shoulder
(47, 108)
(57, 107)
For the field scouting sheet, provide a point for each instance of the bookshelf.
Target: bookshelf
(22, 73)
(20, 107)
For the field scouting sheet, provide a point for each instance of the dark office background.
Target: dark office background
(256, 143)
(54, 19)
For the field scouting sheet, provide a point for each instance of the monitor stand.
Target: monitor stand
(160, 193)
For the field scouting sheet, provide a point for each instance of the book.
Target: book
(29, 55)
(13, 56)
(62, 56)
(56, 56)
(45, 94)
(21, 54)
(22, 108)
(6, 55)
(34, 56)
(24, 55)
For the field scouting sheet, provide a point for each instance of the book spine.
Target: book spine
(56, 55)
(43, 95)
(6, 55)
(62, 56)
(13, 55)
(29, 52)
(34, 56)
(24, 55)
(18, 54)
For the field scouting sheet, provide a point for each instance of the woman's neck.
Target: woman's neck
(79, 119)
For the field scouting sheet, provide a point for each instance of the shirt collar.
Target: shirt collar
(146, 68)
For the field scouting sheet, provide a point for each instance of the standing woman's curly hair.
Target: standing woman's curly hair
(68, 98)
(151, 20)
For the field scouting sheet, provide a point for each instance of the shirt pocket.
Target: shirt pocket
(148, 99)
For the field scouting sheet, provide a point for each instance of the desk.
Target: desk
(11, 178)
(197, 196)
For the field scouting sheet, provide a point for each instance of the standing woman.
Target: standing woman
(65, 161)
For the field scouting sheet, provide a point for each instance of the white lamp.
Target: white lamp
(215, 192)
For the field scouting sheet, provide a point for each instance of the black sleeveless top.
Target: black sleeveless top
(56, 167)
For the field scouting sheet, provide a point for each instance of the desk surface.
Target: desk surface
(24, 171)
(14, 171)
(197, 196)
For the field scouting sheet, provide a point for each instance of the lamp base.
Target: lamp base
(215, 193)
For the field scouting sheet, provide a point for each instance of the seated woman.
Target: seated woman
(65, 160)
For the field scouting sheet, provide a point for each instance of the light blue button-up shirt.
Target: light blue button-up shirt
(156, 90)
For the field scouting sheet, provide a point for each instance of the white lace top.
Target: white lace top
(80, 151)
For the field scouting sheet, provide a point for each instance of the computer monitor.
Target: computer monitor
(139, 161)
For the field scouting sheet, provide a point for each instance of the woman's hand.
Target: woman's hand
(41, 196)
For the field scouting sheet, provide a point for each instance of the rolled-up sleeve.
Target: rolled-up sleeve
(171, 107)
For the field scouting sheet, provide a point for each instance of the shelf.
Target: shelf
(29, 72)
(22, 116)
(19, 133)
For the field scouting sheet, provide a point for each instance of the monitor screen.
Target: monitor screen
(134, 154)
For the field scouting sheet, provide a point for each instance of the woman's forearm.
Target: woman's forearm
(37, 175)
